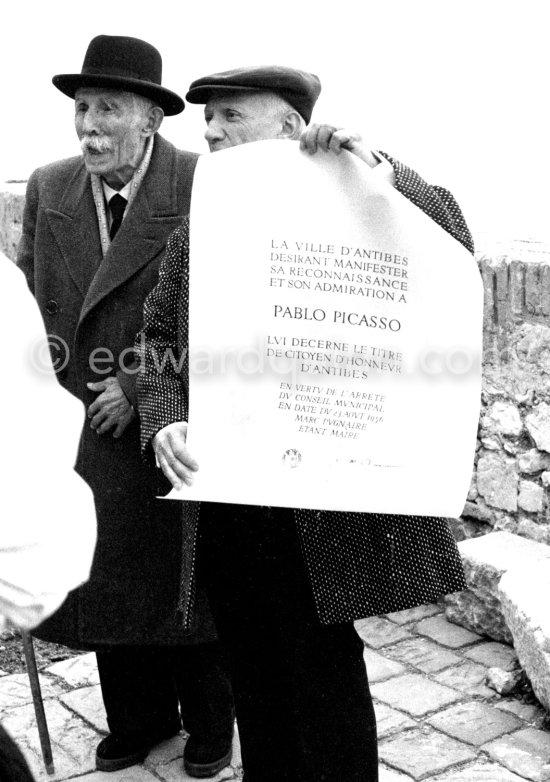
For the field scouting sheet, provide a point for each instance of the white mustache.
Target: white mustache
(97, 143)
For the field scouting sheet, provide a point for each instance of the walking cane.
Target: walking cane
(30, 661)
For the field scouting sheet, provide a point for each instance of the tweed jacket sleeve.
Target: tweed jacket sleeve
(161, 348)
(437, 202)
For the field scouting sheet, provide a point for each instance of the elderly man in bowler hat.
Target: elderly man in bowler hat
(286, 584)
(94, 230)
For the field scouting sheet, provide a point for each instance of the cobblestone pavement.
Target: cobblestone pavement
(437, 720)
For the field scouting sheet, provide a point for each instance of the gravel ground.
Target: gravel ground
(12, 659)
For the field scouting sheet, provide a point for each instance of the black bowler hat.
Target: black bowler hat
(117, 62)
(299, 88)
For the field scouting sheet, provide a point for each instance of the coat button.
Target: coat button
(52, 307)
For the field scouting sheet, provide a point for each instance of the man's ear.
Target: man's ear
(154, 120)
(292, 125)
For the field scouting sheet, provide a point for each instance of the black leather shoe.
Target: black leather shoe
(117, 751)
(204, 759)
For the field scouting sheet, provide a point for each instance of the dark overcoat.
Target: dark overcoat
(359, 564)
(90, 303)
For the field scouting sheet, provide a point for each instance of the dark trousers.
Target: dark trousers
(145, 688)
(301, 693)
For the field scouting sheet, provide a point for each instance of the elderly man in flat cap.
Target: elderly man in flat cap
(286, 584)
(94, 230)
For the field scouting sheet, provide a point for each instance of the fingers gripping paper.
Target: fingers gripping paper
(335, 339)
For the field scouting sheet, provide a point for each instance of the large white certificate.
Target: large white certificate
(335, 339)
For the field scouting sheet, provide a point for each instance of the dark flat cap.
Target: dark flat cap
(299, 88)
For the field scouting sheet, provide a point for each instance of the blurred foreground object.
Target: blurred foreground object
(48, 532)
(48, 529)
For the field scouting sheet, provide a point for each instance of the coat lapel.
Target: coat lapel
(76, 231)
(142, 235)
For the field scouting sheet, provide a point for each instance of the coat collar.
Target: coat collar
(74, 225)
(142, 236)
(144, 230)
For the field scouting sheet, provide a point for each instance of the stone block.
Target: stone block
(481, 772)
(533, 347)
(73, 742)
(517, 287)
(537, 424)
(414, 694)
(11, 218)
(466, 678)
(545, 290)
(467, 609)
(497, 480)
(493, 654)
(504, 682)
(502, 418)
(525, 752)
(479, 511)
(533, 303)
(490, 442)
(380, 668)
(475, 723)
(422, 754)
(439, 629)
(88, 703)
(505, 522)
(423, 654)
(524, 397)
(390, 721)
(378, 632)
(466, 528)
(531, 713)
(501, 268)
(414, 614)
(485, 561)
(497, 552)
(524, 595)
(533, 461)
(534, 530)
(489, 303)
(530, 496)
(80, 671)
(472, 491)
(15, 690)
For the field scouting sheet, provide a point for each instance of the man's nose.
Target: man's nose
(213, 132)
(90, 122)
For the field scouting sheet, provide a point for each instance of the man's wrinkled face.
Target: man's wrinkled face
(109, 125)
(240, 117)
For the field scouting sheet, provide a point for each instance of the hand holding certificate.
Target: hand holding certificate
(334, 339)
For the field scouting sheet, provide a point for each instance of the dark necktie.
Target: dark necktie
(117, 205)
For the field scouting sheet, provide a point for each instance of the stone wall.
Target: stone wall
(11, 211)
(509, 489)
